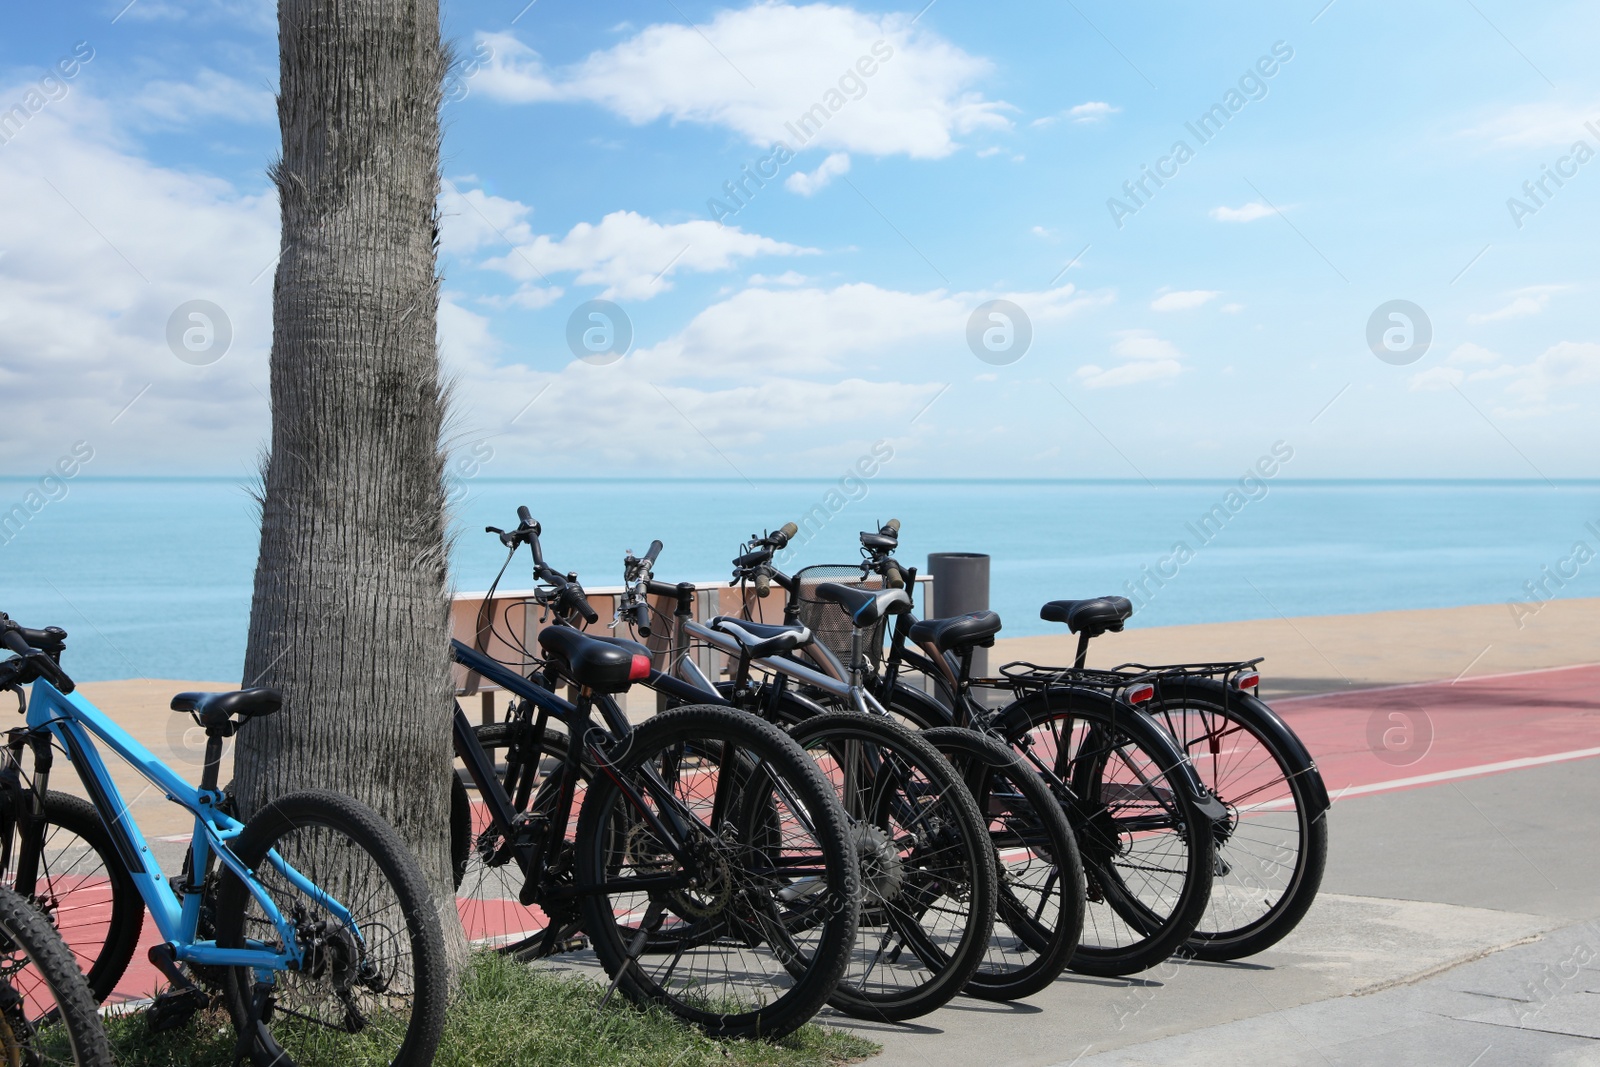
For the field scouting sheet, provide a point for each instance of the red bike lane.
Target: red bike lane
(1410, 736)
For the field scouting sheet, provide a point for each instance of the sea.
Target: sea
(152, 577)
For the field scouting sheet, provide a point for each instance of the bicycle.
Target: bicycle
(1039, 879)
(1271, 841)
(1273, 845)
(1129, 794)
(710, 866)
(311, 918)
(47, 1015)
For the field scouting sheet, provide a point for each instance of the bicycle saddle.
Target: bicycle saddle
(1102, 614)
(976, 628)
(864, 606)
(213, 709)
(595, 662)
(762, 639)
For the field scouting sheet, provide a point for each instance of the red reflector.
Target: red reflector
(1247, 681)
(639, 670)
(1139, 694)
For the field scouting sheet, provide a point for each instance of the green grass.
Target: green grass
(508, 1014)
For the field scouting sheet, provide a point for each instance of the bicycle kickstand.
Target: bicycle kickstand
(253, 1032)
(651, 921)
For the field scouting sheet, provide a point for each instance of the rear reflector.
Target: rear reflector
(1140, 694)
(639, 670)
(1248, 680)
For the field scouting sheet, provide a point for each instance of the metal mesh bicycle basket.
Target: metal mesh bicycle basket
(827, 621)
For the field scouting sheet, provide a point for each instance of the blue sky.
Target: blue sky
(1367, 155)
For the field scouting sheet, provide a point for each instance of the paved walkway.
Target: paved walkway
(1463, 830)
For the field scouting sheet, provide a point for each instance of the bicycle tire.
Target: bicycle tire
(959, 869)
(1127, 928)
(388, 863)
(107, 910)
(1286, 812)
(742, 875)
(1037, 926)
(33, 1027)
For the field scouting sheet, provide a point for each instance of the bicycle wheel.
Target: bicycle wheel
(745, 930)
(1273, 846)
(927, 872)
(47, 1016)
(80, 884)
(1144, 837)
(369, 991)
(489, 880)
(1040, 902)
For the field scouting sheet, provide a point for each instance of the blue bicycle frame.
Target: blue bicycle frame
(76, 723)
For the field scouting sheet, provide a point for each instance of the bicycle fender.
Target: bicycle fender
(1260, 716)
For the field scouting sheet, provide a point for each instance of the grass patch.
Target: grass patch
(506, 1013)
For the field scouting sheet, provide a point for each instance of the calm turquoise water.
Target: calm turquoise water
(152, 577)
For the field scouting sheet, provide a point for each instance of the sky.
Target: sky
(1077, 240)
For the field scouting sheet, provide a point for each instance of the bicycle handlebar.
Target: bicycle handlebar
(36, 652)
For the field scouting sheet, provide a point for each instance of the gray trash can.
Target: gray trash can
(960, 585)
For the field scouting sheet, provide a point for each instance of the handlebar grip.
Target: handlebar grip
(655, 550)
(893, 578)
(524, 514)
(13, 639)
(581, 604)
(891, 527)
(641, 618)
(763, 584)
(783, 534)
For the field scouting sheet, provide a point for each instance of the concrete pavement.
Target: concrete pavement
(1420, 883)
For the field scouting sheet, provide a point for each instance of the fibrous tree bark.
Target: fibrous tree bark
(350, 612)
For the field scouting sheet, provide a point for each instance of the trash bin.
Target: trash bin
(960, 585)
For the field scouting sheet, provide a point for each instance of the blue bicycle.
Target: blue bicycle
(311, 921)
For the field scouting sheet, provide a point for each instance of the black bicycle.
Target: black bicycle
(1039, 892)
(1135, 804)
(925, 895)
(710, 869)
(1272, 845)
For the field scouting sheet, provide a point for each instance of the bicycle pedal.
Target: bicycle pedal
(169, 1011)
(571, 944)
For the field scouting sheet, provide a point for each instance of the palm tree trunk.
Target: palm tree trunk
(349, 617)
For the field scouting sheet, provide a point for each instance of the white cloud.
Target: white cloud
(1231, 309)
(634, 257)
(1093, 111)
(788, 277)
(211, 95)
(1248, 213)
(473, 219)
(1561, 366)
(1133, 373)
(992, 150)
(86, 299)
(1547, 124)
(760, 71)
(1182, 299)
(1142, 344)
(821, 331)
(1147, 358)
(805, 184)
(1526, 301)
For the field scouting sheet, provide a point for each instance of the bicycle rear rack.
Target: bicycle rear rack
(1025, 677)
